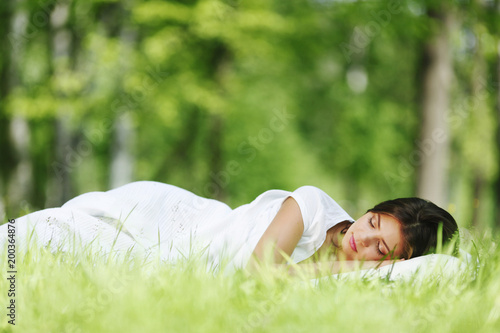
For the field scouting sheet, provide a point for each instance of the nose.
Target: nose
(366, 238)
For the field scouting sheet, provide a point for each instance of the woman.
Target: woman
(395, 229)
(148, 219)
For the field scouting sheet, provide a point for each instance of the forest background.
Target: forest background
(368, 100)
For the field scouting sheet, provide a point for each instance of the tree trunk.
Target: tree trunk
(434, 140)
(122, 159)
(5, 151)
(496, 190)
(477, 190)
(497, 185)
(112, 17)
(20, 180)
(219, 179)
(60, 187)
(481, 144)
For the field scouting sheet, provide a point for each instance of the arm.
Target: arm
(282, 235)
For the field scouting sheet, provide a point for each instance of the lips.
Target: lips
(352, 242)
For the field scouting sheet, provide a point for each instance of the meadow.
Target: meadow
(367, 100)
(61, 292)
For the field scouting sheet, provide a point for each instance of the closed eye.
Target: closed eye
(378, 249)
(370, 220)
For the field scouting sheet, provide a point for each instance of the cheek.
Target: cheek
(344, 247)
(370, 256)
(345, 240)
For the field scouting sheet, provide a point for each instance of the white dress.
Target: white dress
(148, 218)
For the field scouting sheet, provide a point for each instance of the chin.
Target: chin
(345, 255)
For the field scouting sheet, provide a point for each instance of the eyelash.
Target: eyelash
(378, 243)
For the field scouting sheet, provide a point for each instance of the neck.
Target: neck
(332, 244)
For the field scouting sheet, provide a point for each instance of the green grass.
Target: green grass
(69, 293)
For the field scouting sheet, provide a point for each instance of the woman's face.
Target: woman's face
(372, 237)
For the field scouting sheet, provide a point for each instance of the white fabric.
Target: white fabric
(319, 213)
(146, 217)
(415, 269)
(439, 264)
(62, 229)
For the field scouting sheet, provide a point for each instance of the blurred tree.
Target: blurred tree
(231, 98)
(493, 22)
(5, 88)
(19, 187)
(61, 39)
(437, 72)
(118, 26)
(497, 183)
(479, 147)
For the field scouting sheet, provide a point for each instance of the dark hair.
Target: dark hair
(420, 221)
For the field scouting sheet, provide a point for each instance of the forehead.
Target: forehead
(392, 234)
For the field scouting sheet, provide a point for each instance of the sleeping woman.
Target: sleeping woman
(305, 227)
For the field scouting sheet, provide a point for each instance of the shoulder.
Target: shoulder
(311, 190)
(315, 204)
(312, 196)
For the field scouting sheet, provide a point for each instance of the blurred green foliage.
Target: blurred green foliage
(232, 98)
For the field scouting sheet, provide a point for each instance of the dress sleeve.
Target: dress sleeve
(319, 213)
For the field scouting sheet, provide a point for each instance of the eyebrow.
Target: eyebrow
(379, 226)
